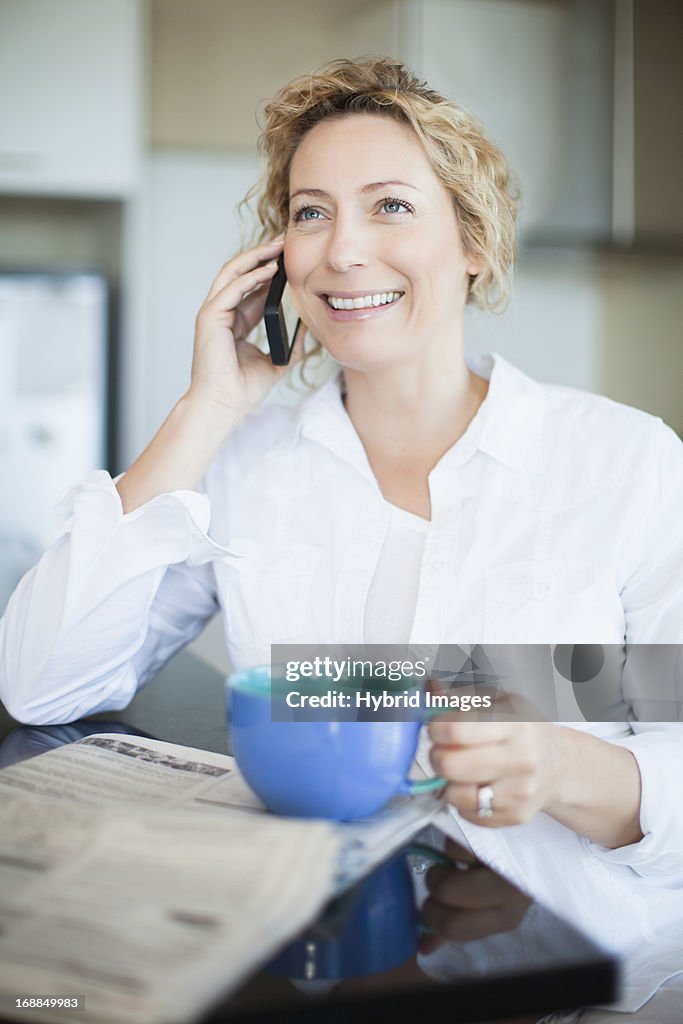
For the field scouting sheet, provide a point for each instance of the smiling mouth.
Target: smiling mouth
(363, 301)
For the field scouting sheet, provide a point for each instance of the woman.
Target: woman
(413, 498)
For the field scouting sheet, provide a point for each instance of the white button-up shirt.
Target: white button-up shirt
(556, 518)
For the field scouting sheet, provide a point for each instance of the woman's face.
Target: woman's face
(372, 227)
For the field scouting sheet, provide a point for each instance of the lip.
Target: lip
(365, 313)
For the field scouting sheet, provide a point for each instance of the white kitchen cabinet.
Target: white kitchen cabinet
(582, 96)
(70, 73)
(539, 76)
(53, 405)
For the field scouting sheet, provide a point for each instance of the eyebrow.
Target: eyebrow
(320, 193)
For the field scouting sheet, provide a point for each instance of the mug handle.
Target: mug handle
(414, 787)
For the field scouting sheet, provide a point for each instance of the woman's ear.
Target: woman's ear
(475, 265)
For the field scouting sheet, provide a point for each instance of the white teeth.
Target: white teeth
(364, 301)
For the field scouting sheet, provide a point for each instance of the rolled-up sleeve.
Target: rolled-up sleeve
(108, 603)
(653, 606)
(658, 749)
(652, 594)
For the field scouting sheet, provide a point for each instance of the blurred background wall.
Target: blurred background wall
(127, 137)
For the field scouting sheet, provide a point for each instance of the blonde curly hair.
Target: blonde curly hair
(471, 167)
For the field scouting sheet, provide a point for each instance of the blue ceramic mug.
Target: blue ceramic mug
(341, 770)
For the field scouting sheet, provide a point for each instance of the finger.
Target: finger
(465, 798)
(229, 298)
(521, 754)
(469, 890)
(480, 765)
(450, 887)
(242, 263)
(465, 733)
(250, 312)
(250, 355)
(463, 925)
(515, 801)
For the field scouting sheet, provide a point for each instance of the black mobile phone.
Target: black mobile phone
(279, 332)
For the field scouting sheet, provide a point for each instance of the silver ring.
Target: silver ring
(485, 802)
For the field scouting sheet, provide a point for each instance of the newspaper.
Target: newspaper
(147, 878)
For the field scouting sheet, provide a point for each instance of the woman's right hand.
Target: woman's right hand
(229, 374)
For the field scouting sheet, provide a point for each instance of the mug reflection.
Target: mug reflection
(379, 931)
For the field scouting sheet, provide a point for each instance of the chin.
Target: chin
(356, 346)
(366, 355)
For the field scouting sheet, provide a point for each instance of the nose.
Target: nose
(347, 245)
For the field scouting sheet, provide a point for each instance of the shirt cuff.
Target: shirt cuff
(177, 521)
(659, 854)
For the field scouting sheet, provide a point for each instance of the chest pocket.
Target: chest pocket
(267, 591)
(542, 602)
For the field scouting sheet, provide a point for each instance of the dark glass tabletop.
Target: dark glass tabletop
(388, 948)
(430, 932)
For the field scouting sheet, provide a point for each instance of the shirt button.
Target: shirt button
(437, 564)
(541, 588)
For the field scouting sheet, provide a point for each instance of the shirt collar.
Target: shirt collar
(508, 425)
(321, 417)
(511, 416)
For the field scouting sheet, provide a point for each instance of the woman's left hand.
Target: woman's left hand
(523, 762)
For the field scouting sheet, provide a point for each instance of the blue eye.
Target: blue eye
(302, 214)
(387, 205)
(398, 206)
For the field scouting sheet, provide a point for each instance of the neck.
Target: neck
(419, 409)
